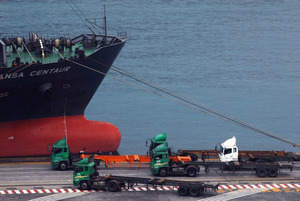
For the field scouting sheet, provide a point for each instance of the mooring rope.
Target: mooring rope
(186, 101)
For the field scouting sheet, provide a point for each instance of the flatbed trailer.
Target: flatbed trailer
(87, 177)
(129, 160)
(243, 154)
(114, 183)
(262, 169)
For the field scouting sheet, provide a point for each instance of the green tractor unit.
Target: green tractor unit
(84, 172)
(61, 157)
(162, 165)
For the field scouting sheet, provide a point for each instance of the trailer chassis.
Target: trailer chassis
(114, 183)
(262, 169)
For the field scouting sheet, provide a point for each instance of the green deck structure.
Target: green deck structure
(51, 58)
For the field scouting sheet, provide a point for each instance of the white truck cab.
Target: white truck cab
(228, 150)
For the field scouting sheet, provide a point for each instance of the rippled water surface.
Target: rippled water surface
(240, 57)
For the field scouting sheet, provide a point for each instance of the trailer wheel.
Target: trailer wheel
(261, 172)
(273, 172)
(191, 171)
(162, 172)
(183, 190)
(194, 191)
(113, 186)
(63, 165)
(84, 185)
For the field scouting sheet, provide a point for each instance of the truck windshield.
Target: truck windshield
(158, 157)
(78, 169)
(227, 151)
(57, 150)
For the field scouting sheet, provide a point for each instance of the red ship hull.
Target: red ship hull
(32, 137)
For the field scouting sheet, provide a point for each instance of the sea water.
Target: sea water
(241, 57)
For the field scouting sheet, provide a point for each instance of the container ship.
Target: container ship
(45, 86)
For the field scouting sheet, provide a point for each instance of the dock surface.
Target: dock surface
(37, 181)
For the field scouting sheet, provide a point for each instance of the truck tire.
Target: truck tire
(63, 166)
(194, 191)
(191, 171)
(113, 186)
(84, 185)
(183, 190)
(272, 172)
(162, 172)
(261, 172)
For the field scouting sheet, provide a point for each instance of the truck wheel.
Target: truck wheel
(162, 172)
(84, 185)
(191, 171)
(261, 172)
(63, 165)
(183, 190)
(273, 172)
(194, 191)
(113, 186)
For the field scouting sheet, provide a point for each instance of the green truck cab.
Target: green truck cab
(162, 165)
(61, 157)
(86, 176)
(83, 172)
(160, 160)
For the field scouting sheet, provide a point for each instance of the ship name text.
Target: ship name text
(33, 73)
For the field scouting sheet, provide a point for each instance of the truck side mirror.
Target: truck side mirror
(147, 142)
(48, 147)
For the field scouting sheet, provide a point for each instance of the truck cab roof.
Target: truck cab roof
(162, 137)
(86, 161)
(230, 142)
(61, 143)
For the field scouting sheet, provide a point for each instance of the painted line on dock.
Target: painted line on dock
(165, 188)
(235, 194)
(60, 196)
(255, 186)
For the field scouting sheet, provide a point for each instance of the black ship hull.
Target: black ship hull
(54, 89)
